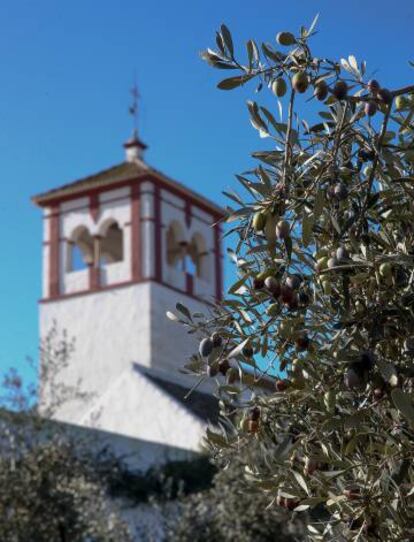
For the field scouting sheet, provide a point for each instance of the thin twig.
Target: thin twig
(286, 161)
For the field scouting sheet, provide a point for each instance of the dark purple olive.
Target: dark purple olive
(370, 108)
(255, 413)
(293, 281)
(217, 340)
(352, 379)
(340, 90)
(224, 366)
(340, 191)
(321, 91)
(206, 347)
(342, 254)
(367, 359)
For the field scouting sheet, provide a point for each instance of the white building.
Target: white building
(120, 248)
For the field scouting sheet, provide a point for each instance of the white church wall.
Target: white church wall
(115, 273)
(115, 205)
(46, 226)
(75, 213)
(45, 252)
(135, 407)
(111, 330)
(45, 270)
(74, 281)
(170, 343)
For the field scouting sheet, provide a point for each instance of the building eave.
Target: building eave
(133, 173)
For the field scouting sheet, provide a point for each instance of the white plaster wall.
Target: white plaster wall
(46, 225)
(74, 213)
(111, 329)
(45, 270)
(171, 345)
(115, 272)
(74, 281)
(45, 252)
(136, 407)
(114, 205)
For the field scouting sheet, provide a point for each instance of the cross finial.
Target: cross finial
(134, 147)
(133, 108)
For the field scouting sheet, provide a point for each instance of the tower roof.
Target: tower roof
(119, 175)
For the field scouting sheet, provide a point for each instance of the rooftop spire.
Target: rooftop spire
(134, 147)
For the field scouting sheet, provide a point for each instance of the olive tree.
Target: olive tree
(322, 304)
(53, 486)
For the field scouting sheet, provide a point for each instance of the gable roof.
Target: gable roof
(203, 405)
(120, 173)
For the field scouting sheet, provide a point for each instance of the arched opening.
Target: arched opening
(190, 266)
(112, 244)
(198, 252)
(176, 245)
(80, 250)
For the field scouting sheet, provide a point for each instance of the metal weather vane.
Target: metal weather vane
(133, 108)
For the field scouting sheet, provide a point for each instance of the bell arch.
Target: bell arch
(199, 254)
(176, 245)
(80, 252)
(111, 238)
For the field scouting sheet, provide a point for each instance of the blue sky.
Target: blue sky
(65, 73)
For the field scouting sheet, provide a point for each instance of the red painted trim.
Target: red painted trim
(54, 251)
(187, 211)
(122, 285)
(94, 206)
(94, 278)
(218, 262)
(114, 200)
(152, 177)
(136, 248)
(189, 284)
(157, 233)
(87, 192)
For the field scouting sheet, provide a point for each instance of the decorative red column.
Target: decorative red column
(218, 256)
(54, 251)
(95, 266)
(136, 244)
(94, 206)
(157, 233)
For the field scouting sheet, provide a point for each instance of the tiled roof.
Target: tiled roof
(119, 173)
(202, 405)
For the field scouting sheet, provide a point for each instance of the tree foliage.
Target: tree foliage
(323, 296)
(53, 486)
(226, 512)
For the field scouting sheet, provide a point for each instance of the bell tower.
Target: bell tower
(120, 248)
